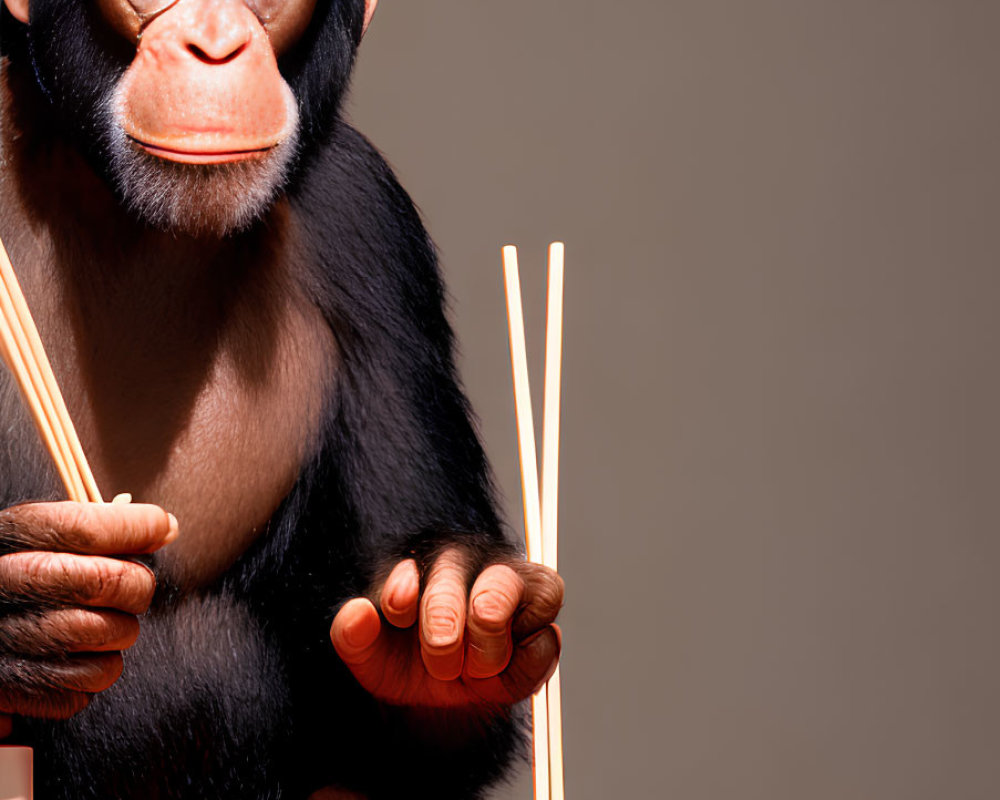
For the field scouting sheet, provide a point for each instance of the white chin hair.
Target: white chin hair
(198, 199)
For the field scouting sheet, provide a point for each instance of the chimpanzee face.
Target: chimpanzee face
(204, 123)
(195, 125)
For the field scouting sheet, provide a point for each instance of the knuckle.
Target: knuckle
(493, 608)
(442, 616)
(73, 527)
(37, 568)
(452, 564)
(38, 576)
(452, 555)
(70, 628)
(446, 586)
(548, 589)
(104, 579)
(39, 634)
(24, 526)
(8, 575)
(99, 579)
(10, 527)
(118, 584)
(558, 582)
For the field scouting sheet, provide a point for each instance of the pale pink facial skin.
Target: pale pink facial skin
(204, 87)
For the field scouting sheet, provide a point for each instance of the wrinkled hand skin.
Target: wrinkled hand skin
(450, 646)
(68, 608)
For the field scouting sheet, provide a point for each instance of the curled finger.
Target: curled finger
(400, 595)
(442, 616)
(533, 662)
(355, 631)
(543, 597)
(494, 599)
(65, 578)
(89, 673)
(56, 632)
(86, 528)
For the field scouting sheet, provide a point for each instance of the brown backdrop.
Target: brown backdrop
(781, 466)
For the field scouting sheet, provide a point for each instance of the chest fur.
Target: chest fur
(196, 383)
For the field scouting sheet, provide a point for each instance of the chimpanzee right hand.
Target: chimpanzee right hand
(67, 609)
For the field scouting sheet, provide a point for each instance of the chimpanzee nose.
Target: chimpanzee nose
(222, 31)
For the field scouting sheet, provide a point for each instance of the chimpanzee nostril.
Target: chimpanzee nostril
(216, 31)
(201, 55)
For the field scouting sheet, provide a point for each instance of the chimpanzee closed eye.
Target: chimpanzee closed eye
(245, 314)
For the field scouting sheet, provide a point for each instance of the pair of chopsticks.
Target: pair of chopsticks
(22, 349)
(540, 511)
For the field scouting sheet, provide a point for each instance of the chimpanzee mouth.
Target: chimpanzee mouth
(208, 184)
(198, 193)
(202, 156)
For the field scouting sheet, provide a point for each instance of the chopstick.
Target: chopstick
(540, 531)
(529, 491)
(23, 351)
(550, 487)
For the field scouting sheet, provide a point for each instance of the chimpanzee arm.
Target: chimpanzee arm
(407, 473)
(406, 451)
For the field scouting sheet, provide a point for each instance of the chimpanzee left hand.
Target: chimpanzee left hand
(449, 647)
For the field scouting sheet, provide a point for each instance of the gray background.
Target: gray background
(781, 453)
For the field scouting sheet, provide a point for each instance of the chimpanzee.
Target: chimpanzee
(245, 315)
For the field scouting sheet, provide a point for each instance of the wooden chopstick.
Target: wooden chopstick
(41, 358)
(540, 532)
(550, 420)
(529, 489)
(23, 350)
(12, 355)
(550, 488)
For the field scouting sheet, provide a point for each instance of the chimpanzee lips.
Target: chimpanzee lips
(201, 156)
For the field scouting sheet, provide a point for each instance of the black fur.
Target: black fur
(236, 692)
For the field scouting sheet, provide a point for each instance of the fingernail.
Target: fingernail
(174, 531)
(145, 566)
(399, 607)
